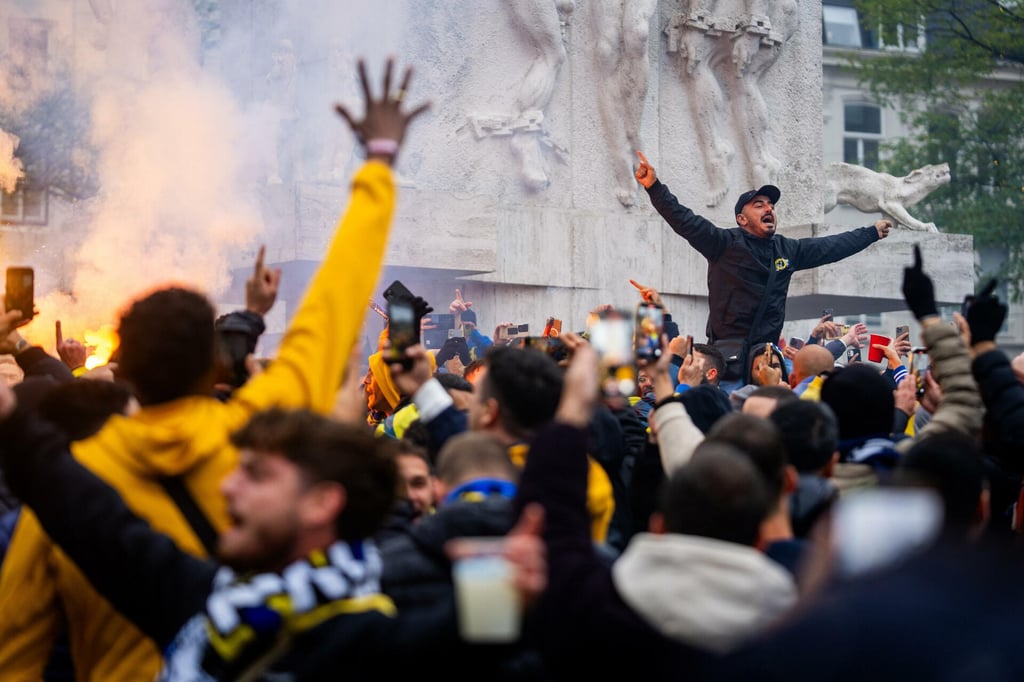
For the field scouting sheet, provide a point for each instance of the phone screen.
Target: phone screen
(20, 291)
(402, 330)
(796, 343)
(647, 331)
(853, 355)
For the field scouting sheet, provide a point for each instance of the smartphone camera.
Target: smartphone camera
(647, 331)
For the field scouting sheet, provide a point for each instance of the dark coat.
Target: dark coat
(739, 264)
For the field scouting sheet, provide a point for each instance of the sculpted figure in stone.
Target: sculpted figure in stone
(621, 31)
(540, 22)
(873, 192)
(767, 24)
(694, 34)
(726, 47)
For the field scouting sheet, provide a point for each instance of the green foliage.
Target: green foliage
(964, 97)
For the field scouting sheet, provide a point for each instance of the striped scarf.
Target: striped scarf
(250, 620)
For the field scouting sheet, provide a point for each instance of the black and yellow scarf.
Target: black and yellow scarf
(250, 620)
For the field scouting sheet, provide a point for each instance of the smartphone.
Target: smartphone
(523, 330)
(612, 338)
(552, 324)
(918, 368)
(827, 315)
(689, 345)
(403, 329)
(853, 355)
(20, 292)
(902, 329)
(397, 291)
(796, 343)
(442, 320)
(647, 331)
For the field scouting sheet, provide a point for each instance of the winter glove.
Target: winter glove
(918, 290)
(986, 315)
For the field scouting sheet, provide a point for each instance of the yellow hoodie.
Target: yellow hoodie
(190, 437)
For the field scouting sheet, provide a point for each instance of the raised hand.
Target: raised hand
(645, 174)
(261, 288)
(649, 294)
(72, 353)
(383, 126)
(459, 305)
(986, 315)
(9, 322)
(918, 291)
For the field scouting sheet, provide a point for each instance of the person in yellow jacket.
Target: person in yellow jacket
(181, 433)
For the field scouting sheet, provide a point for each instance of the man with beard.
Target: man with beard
(750, 266)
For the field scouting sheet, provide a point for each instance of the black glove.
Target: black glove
(421, 308)
(918, 291)
(986, 314)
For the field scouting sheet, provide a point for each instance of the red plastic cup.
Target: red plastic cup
(876, 354)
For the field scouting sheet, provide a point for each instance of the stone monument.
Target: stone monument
(517, 188)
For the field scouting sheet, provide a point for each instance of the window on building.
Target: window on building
(840, 27)
(862, 133)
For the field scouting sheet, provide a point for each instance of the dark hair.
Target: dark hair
(718, 494)
(861, 399)
(706, 404)
(809, 432)
(326, 450)
(473, 367)
(417, 433)
(527, 385)
(81, 407)
(474, 455)
(453, 382)
(166, 344)
(714, 357)
(759, 440)
(952, 464)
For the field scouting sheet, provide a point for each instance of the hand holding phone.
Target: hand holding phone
(20, 292)
(647, 331)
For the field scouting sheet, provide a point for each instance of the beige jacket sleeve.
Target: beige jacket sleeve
(961, 409)
(678, 436)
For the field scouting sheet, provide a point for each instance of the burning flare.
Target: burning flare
(101, 344)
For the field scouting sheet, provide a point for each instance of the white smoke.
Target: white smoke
(176, 160)
(10, 167)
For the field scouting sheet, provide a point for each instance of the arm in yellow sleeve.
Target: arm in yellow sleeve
(320, 339)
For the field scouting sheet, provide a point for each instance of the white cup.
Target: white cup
(487, 602)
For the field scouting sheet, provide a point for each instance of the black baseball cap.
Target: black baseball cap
(770, 191)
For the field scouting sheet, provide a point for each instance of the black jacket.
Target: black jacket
(739, 264)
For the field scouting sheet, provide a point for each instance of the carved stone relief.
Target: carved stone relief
(725, 48)
(872, 192)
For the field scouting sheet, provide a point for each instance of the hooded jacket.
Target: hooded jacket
(739, 264)
(188, 438)
(704, 592)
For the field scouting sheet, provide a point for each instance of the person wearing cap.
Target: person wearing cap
(740, 259)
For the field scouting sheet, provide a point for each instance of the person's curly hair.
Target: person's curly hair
(166, 344)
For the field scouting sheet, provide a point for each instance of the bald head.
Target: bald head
(810, 361)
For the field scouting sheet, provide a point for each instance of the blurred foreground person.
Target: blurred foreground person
(168, 459)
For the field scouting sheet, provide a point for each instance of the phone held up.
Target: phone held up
(647, 331)
(20, 292)
(403, 323)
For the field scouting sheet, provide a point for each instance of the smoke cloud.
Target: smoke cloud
(10, 167)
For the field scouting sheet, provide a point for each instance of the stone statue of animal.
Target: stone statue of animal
(872, 192)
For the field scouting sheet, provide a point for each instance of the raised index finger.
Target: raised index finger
(917, 258)
(60, 334)
(989, 288)
(259, 260)
(643, 159)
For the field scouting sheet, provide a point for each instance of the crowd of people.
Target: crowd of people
(745, 509)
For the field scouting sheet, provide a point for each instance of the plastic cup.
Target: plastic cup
(876, 354)
(486, 601)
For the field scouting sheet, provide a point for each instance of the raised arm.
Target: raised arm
(702, 234)
(317, 345)
(815, 251)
